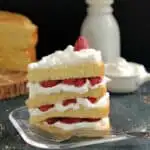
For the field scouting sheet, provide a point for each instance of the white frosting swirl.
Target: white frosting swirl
(59, 107)
(99, 125)
(67, 57)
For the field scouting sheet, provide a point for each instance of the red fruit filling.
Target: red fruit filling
(79, 82)
(49, 83)
(94, 81)
(65, 103)
(76, 82)
(81, 44)
(71, 120)
(92, 99)
(69, 101)
(51, 120)
(69, 81)
(46, 107)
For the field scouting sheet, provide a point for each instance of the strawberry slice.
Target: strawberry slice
(79, 82)
(95, 80)
(69, 81)
(49, 83)
(70, 120)
(51, 120)
(92, 119)
(92, 99)
(81, 44)
(46, 107)
(69, 101)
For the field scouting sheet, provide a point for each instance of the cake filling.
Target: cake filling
(74, 104)
(78, 123)
(76, 82)
(80, 86)
(51, 121)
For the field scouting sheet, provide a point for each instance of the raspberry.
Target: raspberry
(79, 82)
(49, 83)
(46, 107)
(81, 44)
(92, 99)
(95, 80)
(69, 101)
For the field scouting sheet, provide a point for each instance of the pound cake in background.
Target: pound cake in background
(68, 94)
(18, 40)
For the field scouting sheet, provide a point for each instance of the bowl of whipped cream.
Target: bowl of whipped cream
(125, 76)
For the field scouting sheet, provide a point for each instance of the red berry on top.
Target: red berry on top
(81, 44)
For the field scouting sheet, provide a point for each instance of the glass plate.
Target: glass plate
(122, 120)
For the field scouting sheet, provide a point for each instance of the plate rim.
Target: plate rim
(55, 146)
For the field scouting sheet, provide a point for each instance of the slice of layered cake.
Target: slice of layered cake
(68, 94)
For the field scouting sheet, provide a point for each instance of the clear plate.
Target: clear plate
(122, 120)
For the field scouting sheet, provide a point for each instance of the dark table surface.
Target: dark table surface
(139, 102)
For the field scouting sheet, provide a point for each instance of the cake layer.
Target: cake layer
(91, 111)
(100, 128)
(71, 104)
(83, 70)
(54, 98)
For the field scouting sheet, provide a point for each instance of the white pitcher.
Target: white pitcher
(101, 29)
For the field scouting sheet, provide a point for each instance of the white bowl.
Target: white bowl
(123, 84)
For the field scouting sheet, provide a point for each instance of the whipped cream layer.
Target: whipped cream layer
(67, 57)
(98, 125)
(36, 88)
(120, 67)
(59, 107)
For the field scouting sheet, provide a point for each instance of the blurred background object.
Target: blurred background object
(60, 21)
(101, 29)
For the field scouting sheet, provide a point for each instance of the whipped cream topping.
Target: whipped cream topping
(120, 67)
(59, 107)
(100, 125)
(67, 57)
(36, 88)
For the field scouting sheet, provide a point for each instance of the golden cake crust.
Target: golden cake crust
(66, 72)
(11, 17)
(57, 97)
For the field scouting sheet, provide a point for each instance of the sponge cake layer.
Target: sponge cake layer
(66, 72)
